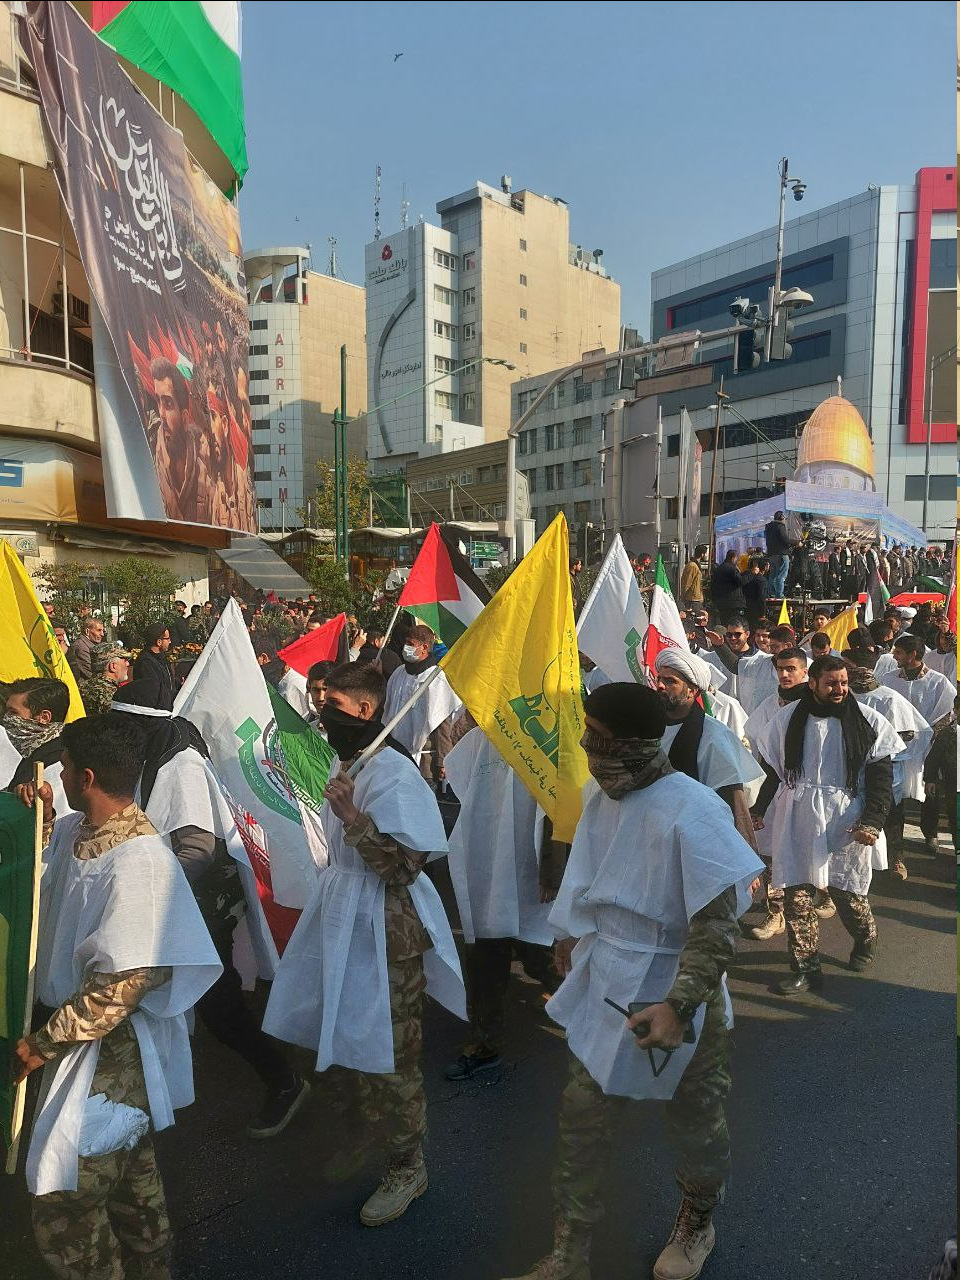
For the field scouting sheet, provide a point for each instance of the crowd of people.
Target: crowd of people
(761, 772)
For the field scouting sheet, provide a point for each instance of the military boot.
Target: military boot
(570, 1258)
(689, 1246)
(404, 1180)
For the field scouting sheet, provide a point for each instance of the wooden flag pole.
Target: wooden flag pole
(392, 724)
(20, 1093)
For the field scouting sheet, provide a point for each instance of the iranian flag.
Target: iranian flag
(665, 630)
(442, 590)
(193, 46)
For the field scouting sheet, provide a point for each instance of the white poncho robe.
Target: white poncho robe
(931, 694)
(331, 992)
(722, 759)
(905, 718)
(728, 711)
(810, 823)
(494, 855)
(439, 703)
(756, 681)
(639, 870)
(130, 908)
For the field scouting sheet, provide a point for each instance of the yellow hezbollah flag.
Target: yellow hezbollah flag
(839, 628)
(28, 646)
(784, 619)
(517, 669)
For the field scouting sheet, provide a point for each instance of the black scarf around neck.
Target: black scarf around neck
(791, 695)
(686, 745)
(166, 738)
(858, 736)
(418, 668)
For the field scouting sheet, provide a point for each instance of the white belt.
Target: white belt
(625, 944)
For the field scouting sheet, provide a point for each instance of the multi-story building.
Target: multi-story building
(52, 504)
(882, 269)
(496, 288)
(299, 319)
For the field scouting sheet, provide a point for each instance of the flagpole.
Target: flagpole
(20, 1092)
(389, 727)
(389, 632)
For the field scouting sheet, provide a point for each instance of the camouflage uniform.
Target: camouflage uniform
(97, 694)
(695, 1119)
(395, 1101)
(803, 923)
(115, 1224)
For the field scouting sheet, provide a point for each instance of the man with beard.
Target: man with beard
(32, 724)
(153, 666)
(372, 938)
(111, 667)
(80, 654)
(181, 474)
(697, 744)
(425, 729)
(833, 762)
(647, 916)
(943, 656)
(735, 654)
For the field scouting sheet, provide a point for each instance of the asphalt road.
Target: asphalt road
(843, 1121)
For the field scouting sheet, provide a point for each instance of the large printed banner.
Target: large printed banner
(161, 248)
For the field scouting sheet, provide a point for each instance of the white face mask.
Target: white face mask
(410, 654)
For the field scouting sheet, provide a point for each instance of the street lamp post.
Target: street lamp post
(798, 187)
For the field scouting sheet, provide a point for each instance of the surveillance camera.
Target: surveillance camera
(738, 306)
(796, 298)
(798, 190)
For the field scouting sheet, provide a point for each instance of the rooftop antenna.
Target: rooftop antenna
(404, 207)
(333, 267)
(376, 206)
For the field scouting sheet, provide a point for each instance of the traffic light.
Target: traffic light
(780, 348)
(582, 543)
(750, 349)
(594, 544)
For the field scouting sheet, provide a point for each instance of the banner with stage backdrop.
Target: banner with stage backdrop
(161, 249)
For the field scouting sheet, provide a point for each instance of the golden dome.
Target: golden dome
(835, 432)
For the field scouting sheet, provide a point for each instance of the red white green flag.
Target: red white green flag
(442, 590)
(194, 47)
(665, 630)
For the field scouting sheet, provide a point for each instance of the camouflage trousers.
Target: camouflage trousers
(487, 971)
(695, 1120)
(803, 923)
(115, 1224)
(395, 1103)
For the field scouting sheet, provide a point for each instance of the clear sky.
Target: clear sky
(661, 125)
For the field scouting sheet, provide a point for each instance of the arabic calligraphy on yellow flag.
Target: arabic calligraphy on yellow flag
(839, 628)
(517, 669)
(28, 646)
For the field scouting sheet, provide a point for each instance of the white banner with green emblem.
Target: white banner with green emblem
(613, 621)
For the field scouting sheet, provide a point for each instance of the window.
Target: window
(443, 364)
(260, 350)
(261, 448)
(943, 264)
(484, 475)
(263, 475)
(469, 332)
(469, 298)
(445, 400)
(941, 488)
(582, 430)
(527, 441)
(265, 502)
(523, 348)
(523, 246)
(523, 279)
(499, 471)
(523, 313)
(498, 511)
(711, 305)
(444, 330)
(582, 390)
(447, 260)
(553, 436)
(560, 394)
(260, 424)
(447, 296)
(553, 476)
(258, 324)
(581, 513)
(259, 399)
(469, 400)
(470, 260)
(258, 375)
(531, 479)
(582, 473)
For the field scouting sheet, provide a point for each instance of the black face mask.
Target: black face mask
(348, 735)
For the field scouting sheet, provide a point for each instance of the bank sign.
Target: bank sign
(390, 267)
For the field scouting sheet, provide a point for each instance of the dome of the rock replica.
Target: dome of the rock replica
(835, 448)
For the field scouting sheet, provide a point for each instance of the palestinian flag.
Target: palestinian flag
(328, 643)
(442, 590)
(193, 46)
(877, 597)
(665, 630)
(16, 922)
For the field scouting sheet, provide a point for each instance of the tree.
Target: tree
(66, 587)
(321, 513)
(326, 578)
(142, 591)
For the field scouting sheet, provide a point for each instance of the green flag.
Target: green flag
(16, 909)
(306, 756)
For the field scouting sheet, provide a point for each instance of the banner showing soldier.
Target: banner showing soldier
(161, 248)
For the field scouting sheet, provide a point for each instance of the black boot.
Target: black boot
(862, 955)
(797, 983)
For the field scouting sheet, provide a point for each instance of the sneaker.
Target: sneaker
(898, 869)
(399, 1187)
(279, 1108)
(691, 1243)
(825, 907)
(773, 925)
(474, 1066)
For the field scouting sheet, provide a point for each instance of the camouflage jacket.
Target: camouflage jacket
(710, 947)
(97, 694)
(398, 867)
(105, 1000)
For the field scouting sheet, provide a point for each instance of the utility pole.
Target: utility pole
(344, 487)
(713, 470)
(799, 187)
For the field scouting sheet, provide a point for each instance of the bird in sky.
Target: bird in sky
(396, 56)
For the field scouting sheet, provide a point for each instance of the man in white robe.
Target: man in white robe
(745, 665)
(426, 728)
(831, 762)
(123, 954)
(372, 938)
(652, 838)
(502, 884)
(933, 696)
(943, 658)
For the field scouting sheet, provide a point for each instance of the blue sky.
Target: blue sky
(661, 125)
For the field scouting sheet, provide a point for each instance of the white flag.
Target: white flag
(226, 697)
(613, 621)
